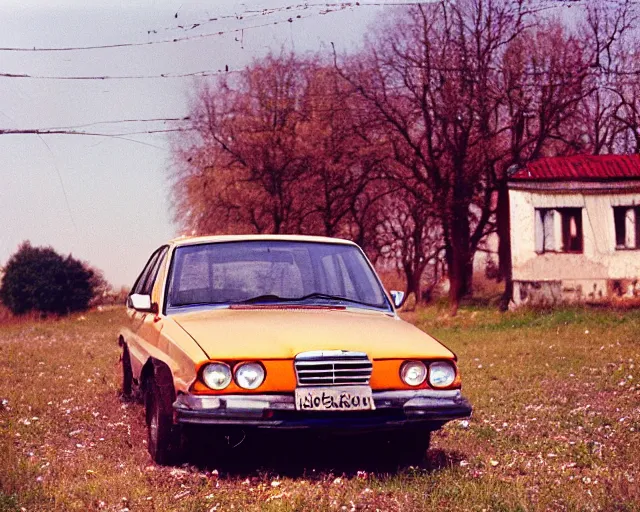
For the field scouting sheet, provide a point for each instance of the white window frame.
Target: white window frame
(631, 231)
(549, 236)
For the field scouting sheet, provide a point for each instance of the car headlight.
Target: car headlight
(441, 374)
(249, 375)
(413, 373)
(216, 375)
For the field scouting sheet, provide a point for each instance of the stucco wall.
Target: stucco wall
(589, 275)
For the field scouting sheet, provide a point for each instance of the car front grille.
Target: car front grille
(332, 368)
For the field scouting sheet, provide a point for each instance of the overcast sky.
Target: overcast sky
(107, 200)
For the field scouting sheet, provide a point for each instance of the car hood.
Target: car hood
(265, 333)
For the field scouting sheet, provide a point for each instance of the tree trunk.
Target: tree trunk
(411, 284)
(413, 275)
(277, 222)
(459, 257)
(503, 222)
(417, 288)
(468, 284)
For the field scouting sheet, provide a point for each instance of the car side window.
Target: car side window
(150, 279)
(139, 284)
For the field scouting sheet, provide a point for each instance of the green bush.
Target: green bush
(39, 279)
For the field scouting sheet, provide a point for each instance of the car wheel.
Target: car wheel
(407, 447)
(127, 374)
(417, 451)
(163, 442)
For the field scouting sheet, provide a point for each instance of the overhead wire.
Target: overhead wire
(164, 41)
(45, 131)
(64, 190)
(206, 74)
(192, 25)
(328, 8)
(56, 169)
(74, 130)
(121, 121)
(248, 13)
(196, 74)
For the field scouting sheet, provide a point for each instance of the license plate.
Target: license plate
(334, 398)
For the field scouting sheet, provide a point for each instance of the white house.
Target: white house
(575, 229)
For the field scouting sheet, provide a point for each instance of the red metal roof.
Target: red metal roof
(581, 168)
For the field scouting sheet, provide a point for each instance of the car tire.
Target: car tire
(163, 441)
(407, 447)
(127, 374)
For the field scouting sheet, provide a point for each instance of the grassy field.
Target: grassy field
(555, 427)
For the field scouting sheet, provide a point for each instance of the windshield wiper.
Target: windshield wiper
(269, 297)
(199, 303)
(315, 295)
(326, 296)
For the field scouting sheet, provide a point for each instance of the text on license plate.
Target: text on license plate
(334, 398)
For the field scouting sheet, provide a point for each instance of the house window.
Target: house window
(627, 224)
(559, 230)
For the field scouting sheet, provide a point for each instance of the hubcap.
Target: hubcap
(153, 425)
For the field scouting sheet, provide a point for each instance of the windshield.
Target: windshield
(272, 272)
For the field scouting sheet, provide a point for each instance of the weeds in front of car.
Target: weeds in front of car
(555, 427)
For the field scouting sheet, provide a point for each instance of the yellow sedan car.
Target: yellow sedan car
(242, 333)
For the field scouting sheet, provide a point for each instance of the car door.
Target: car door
(142, 339)
(152, 323)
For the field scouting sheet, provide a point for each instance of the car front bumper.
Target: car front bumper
(393, 409)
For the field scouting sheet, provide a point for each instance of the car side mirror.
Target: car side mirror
(397, 297)
(140, 302)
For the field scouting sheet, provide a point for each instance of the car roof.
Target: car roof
(194, 240)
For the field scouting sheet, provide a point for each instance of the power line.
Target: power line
(202, 74)
(75, 129)
(64, 191)
(59, 175)
(328, 9)
(244, 15)
(163, 41)
(119, 136)
(208, 73)
(195, 24)
(44, 131)
(120, 121)
(326, 6)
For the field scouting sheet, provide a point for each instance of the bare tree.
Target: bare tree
(278, 149)
(409, 236)
(627, 114)
(211, 197)
(540, 86)
(608, 39)
(342, 162)
(428, 78)
(407, 147)
(248, 128)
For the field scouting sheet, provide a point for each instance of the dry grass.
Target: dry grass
(8, 318)
(392, 279)
(555, 427)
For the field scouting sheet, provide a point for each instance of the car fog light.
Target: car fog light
(216, 375)
(441, 374)
(249, 375)
(413, 373)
